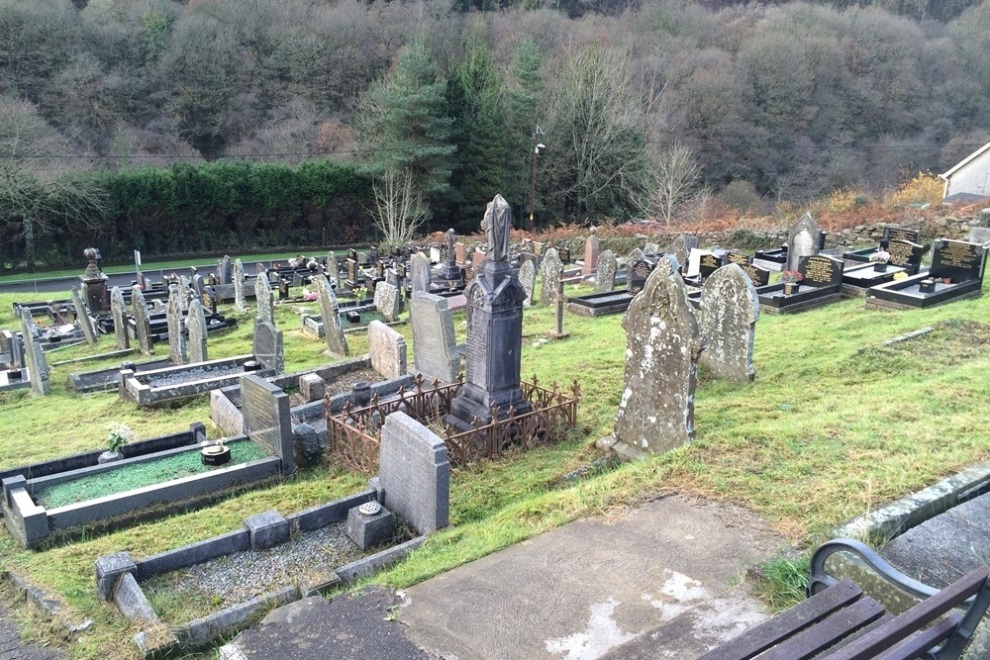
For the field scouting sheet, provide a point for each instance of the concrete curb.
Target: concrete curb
(54, 608)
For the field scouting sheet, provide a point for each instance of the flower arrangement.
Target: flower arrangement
(118, 436)
(791, 277)
(881, 256)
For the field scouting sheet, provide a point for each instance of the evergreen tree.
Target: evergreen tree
(525, 103)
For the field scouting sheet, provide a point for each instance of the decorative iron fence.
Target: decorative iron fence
(354, 434)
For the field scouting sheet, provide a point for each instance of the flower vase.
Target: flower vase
(790, 288)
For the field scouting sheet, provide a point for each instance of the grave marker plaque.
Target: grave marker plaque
(900, 234)
(267, 420)
(905, 254)
(820, 271)
(759, 276)
(958, 260)
(737, 258)
(708, 264)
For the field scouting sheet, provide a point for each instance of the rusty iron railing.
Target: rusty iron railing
(354, 434)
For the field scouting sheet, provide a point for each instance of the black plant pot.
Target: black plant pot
(215, 455)
(879, 267)
(926, 286)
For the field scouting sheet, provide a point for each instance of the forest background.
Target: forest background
(219, 124)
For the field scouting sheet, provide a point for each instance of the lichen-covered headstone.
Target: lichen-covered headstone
(434, 341)
(681, 247)
(802, 241)
(527, 277)
(142, 322)
(82, 318)
(387, 301)
(419, 265)
(551, 271)
(118, 309)
(333, 331)
(607, 268)
(728, 312)
(197, 329)
(649, 248)
(591, 247)
(34, 354)
(240, 301)
(264, 298)
(387, 350)
(173, 317)
(663, 342)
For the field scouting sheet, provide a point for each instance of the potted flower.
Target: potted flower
(118, 435)
(792, 280)
(216, 453)
(880, 259)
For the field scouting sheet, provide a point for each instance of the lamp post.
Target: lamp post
(537, 145)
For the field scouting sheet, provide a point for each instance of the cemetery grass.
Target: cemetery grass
(833, 426)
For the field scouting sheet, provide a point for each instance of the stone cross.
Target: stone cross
(142, 322)
(527, 278)
(173, 316)
(240, 302)
(264, 298)
(197, 329)
(663, 342)
(728, 312)
(591, 247)
(551, 270)
(802, 241)
(333, 331)
(118, 309)
(561, 300)
(607, 268)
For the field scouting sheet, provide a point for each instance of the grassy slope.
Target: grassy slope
(832, 426)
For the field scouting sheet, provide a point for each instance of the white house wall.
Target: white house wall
(973, 177)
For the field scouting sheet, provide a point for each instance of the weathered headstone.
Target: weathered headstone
(414, 473)
(434, 341)
(420, 278)
(681, 247)
(223, 270)
(649, 248)
(663, 342)
(197, 330)
(387, 350)
(34, 355)
(264, 298)
(802, 241)
(198, 285)
(118, 309)
(173, 317)
(240, 301)
(267, 420)
(333, 331)
(387, 301)
(634, 255)
(607, 268)
(551, 271)
(82, 318)
(591, 248)
(185, 285)
(267, 346)
(728, 312)
(142, 322)
(494, 342)
(527, 278)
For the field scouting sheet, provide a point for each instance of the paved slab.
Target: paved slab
(658, 581)
(12, 647)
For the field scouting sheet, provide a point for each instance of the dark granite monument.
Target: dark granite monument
(95, 284)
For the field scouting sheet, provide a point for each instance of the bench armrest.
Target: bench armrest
(820, 579)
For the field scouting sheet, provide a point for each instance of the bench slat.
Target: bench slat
(914, 646)
(758, 639)
(826, 633)
(914, 619)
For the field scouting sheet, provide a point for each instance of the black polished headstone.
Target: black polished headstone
(820, 271)
(708, 264)
(958, 260)
(638, 272)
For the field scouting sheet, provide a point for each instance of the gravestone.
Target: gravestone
(224, 272)
(434, 341)
(173, 317)
(634, 255)
(527, 278)
(477, 258)
(34, 355)
(681, 247)
(387, 350)
(803, 240)
(607, 268)
(142, 322)
(737, 258)
(959, 260)
(591, 248)
(240, 301)
(414, 473)
(82, 318)
(197, 330)
(759, 276)
(95, 284)
(184, 285)
(708, 264)
(638, 273)
(460, 253)
(267, 346)
(198, 285)
(651, 249)
(979, 235)
(264, 298)
(267, 420)
(905, 254)
(333, 332)
(900, 234)
(118, 309)
(387, 301)
(728, 312)
(819, 270)
(450, 270)
(420, 278)
(663, 342)
(550, 273)
(494, 342)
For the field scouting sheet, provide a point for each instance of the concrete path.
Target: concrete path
(12, 647)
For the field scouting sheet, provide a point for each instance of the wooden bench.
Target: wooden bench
(839, 622)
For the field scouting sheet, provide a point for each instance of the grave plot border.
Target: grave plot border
(202, 633)
(354, 434)
(107, 380)
(588, 306)
(851, 287)
(807, 297)
(139, 386)
(890, 297)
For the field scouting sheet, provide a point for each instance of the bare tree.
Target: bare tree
(675, 179)
(399, 210)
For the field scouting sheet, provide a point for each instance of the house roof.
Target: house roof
(965, 161)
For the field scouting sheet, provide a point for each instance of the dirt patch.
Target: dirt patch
(949, 343)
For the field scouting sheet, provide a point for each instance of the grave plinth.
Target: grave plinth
(957, 273)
